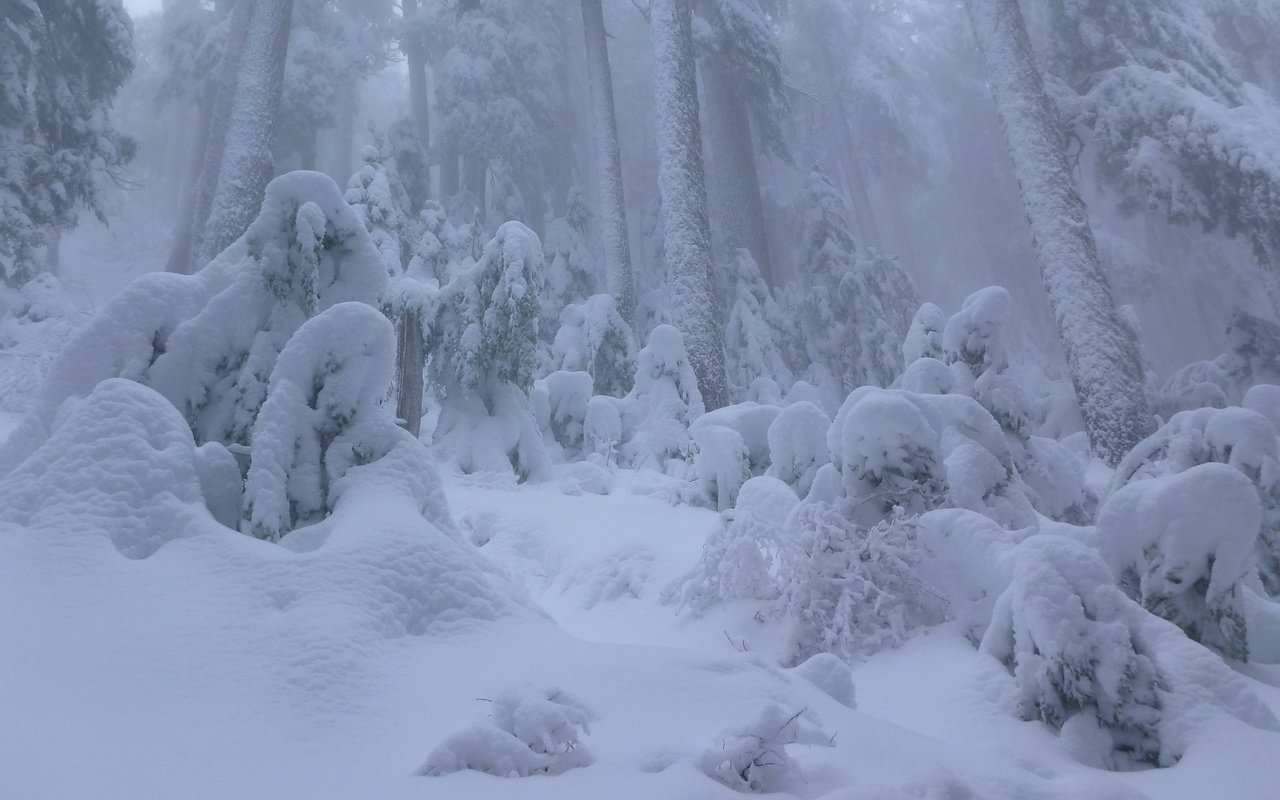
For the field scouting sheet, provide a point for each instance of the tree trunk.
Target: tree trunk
(410, 362)
(180, 252)
(733, 189)
(415, 55)
(308, 152)
(613, 204)
(207, 159)
(478, 184)
(450, 174)
(53, 250)
(344, 156)
(247, 164)
(863, 208)
(686, 231)
(1101, 356)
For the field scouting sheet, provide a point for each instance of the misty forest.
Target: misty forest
(827, 399)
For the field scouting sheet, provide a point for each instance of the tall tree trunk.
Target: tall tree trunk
(450, 173)
(863, 208)
(344, 154)
(247, 164)
(53, 250)
(733, 188)
(308, 152)
(613, 204)
(180, 251)
(409, 364)
(207, 158)
(477, 169)
(1101, 356)
(686, 231)
(415, 55)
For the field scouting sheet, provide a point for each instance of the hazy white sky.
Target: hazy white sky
(139, 7)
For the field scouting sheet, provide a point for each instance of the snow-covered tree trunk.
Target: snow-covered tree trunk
(187, 238)
(247, 162)
(183, 233)
(415, 54)
(613, 206)
(686, 230)
(1101, 355)
(737, 214)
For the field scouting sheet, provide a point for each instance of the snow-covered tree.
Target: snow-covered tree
(320, 417)
(608, 163)
(663, 403)
(758, 337)
(594, 338)
(378, 197)
(798, 445)
(853, 312)
(1082, 665)
(686, 231)
(743, 86)
(1102, 357)
(61, 64)
(481, 331)
(572, 272)
(1173, 123)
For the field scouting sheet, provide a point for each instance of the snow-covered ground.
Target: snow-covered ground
(222, 666)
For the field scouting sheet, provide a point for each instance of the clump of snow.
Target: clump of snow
(830, 674)
(560, 403)
(118, 464)
(529, 732)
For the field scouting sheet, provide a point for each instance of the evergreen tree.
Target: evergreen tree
(61, 64)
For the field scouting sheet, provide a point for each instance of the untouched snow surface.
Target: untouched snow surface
(222, 666)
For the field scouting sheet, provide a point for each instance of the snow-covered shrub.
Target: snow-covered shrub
(967, 559)
(966, 355)
(602, 428)
(594, 338)
(1242, 438)
(208, 342)
(754, 758)
(851, 590)
(757, 334)
(721, 464)
(1252, 357)
(887, 451)
(798, 445)
(306, 252)
(1068, 635)
(1182, 545)
(560, 405)
(481, 331)
(662, 404)
(749, 420)
(529, 732)
(740, 557)
(321, 417)
(764, 391)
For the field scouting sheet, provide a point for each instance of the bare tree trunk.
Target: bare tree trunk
(686, 231)
(207, 159)
(247, 163)
(613, 204)
(1101, 355)
(733, 186)
(410, 364)
(180, 252)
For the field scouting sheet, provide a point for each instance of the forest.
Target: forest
(827, 399)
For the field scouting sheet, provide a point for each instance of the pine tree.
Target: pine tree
(61, 64)
(686, 231)
(1101, 356)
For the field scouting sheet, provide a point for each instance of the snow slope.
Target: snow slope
(222, 666)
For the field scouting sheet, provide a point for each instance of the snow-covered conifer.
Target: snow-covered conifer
(594, 338)
(662, 404)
